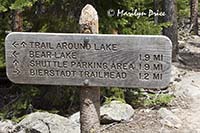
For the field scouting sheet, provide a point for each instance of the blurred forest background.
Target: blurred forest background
(61, 16)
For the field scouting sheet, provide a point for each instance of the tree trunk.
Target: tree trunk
(169, 7)
(194, 16)
(90, 109)
(89, 96)
(17, 22)
(155, 6)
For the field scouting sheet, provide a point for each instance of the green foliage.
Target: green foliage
(2, 59)
(51, 16)
(21, 4)
(4, 5)
(15, 5)
(2, 8)
(158, 100)
(19, 105)
(27, 99)
(4, 26)
(113, 98)
(137, 98)
(132, 24)
(183, 8)
(111, 94)
(145, 27)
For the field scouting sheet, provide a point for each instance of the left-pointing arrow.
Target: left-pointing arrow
(17, 71)
(15, 54)
(14, 44)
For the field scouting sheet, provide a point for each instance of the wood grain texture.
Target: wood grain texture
(127, 50)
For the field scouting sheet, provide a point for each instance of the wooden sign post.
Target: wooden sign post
(89, 96)
(89, 60)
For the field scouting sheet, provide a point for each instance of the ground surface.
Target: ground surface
(185, 106)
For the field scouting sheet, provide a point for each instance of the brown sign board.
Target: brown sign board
(88, 59)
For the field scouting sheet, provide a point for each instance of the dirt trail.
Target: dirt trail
(189, 90)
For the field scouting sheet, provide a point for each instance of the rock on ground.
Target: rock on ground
(6, 126)
(169, 119)
(115, 111)
(75, 118)
(45, 122)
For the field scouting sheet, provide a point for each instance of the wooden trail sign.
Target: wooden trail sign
(88, 59)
